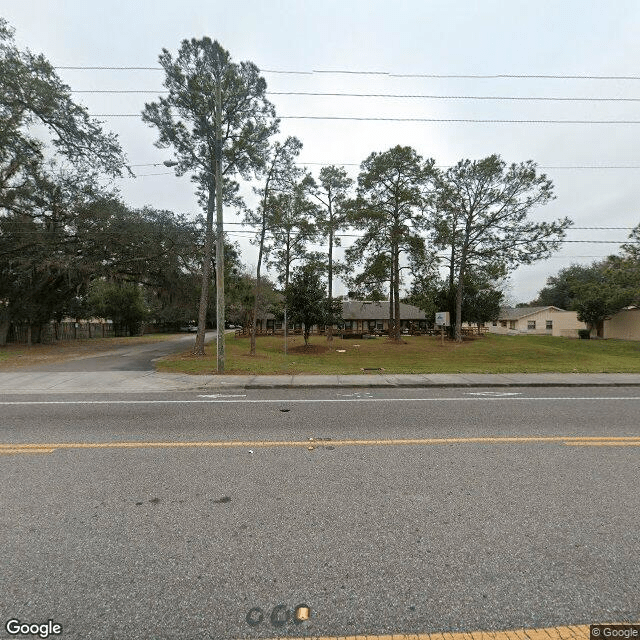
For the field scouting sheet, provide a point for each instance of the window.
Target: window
(503, 323)
(495, 323)
(549, 325)
(531, 324)
(348, 324)
(512, 324)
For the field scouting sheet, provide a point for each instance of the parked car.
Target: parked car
(189, 328)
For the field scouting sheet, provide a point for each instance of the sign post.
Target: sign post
(442, 319)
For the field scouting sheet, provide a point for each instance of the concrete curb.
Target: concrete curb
(145, 381)
(432, 386)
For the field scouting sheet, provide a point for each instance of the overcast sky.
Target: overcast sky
(488, 37)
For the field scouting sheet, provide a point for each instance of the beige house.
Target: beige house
(550, 321)
(625, 325)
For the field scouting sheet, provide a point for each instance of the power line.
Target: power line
(353, 164)
(474, 76)
(384, 119)
(391, 95)
(422, 96)
(592, 167)
(105, 68)
(470, 120)
(144, 175)
(249, 234)
(449, 166)
(470, 76)
(116, 91)
(572, 228)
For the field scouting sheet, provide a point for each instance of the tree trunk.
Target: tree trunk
(396, 294)
(254, 320)
(263, 232)
(330, 291)
(198, 348)
(286, 286)
(460, 293)
(286, 328)
(4, 326)
(391, 292)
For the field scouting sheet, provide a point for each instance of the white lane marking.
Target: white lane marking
(354, 395)
(316, 401)
(222, 395)
(494, 394)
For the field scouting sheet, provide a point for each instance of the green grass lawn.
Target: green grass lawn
(416, 354)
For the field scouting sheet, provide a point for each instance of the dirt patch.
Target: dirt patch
(312, 349)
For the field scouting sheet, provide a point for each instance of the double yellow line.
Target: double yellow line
(312, 443)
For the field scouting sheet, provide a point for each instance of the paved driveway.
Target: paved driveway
(129, 358)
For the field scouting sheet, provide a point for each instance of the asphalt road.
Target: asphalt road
(130, 358)
(387, 511)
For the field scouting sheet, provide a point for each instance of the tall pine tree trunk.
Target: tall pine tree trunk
(396, 294)
(460, 292)
(198, 348)
(391, 292)
(330, 289)
(286, 286)
(254, 319)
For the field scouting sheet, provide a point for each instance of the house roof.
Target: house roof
(515, 313)
(367, 310)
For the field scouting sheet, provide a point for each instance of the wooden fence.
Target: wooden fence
(56, 331)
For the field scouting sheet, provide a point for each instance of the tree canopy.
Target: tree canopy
(306, 300)
(279, 173)
(393, 192)
(331, 191)
(599, 290)
(482, 219)
(32, 93)
(185, 118)
(215, 111)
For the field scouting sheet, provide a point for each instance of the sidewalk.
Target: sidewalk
(17, 382)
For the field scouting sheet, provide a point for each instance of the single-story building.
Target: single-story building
(624, 325)
(360, 316)
(549, 320)
(366, 316)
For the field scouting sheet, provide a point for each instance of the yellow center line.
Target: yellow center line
(602, 444)
(311, 442)
(20, 449)
(576, 632)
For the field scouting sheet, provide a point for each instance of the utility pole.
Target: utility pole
(219, 232)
